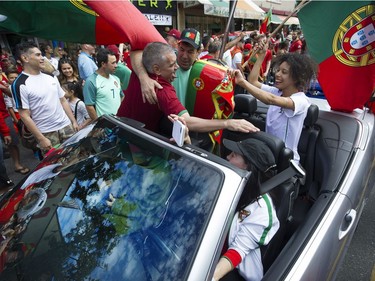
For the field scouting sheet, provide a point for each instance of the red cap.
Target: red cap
(114, 49)
(247, 46)
(175, 33)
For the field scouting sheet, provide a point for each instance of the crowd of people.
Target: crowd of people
(52, 96)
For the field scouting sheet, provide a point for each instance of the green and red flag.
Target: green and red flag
(210, 94)
(266, 22)
(98, 22)
(340, 36)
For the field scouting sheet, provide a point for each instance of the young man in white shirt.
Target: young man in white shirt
(40, 100)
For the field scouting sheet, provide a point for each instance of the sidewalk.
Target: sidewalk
(27, 160)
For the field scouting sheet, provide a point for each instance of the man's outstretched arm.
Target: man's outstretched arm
(148, 85)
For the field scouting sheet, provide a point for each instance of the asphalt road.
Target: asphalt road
(27, 160)
(359, 263)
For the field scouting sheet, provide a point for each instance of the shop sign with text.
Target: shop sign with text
(159, 19)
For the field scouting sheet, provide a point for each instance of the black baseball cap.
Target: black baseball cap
(254, 151)
(191, 36)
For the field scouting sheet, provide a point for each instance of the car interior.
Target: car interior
(325, 147)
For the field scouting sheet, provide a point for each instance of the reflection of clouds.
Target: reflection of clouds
(203, 180)
(187, 215)
(118, 188)
(68, 219)
(122, 263)
(96, 197)
(106, 166)
(148, 190)
(178, 230)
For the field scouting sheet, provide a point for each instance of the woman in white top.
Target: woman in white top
(287, 100)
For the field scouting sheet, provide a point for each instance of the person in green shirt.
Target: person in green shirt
(102, 90)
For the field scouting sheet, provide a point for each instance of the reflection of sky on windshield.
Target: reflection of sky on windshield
(172, 205)
(117, 187)
(68, 217)
(123, 263)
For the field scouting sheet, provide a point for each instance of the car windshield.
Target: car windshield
(119, 207)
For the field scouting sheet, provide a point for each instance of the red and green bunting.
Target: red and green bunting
(340, 36)
(99, 22)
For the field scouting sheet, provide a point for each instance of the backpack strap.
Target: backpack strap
(75, 110)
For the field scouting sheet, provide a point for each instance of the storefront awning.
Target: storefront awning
(277, 19)
(245, 9)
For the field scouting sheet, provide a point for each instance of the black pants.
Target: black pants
(3, 171)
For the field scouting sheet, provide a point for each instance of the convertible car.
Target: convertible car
(117, 202)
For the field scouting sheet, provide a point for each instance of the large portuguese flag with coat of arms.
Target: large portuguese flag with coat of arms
(77, 21)
(340, 36)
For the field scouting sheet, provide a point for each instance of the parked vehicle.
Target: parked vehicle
(117, 202)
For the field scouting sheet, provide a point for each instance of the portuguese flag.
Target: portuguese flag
(340, 36)
(97, 22)
(210, 94)
(266, 22)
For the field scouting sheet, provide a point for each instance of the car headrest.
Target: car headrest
(245, 103)
(277, 146)
(312, 115)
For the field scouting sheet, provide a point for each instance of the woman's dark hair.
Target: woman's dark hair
(302, 68)
(251, 190)
(76, 87)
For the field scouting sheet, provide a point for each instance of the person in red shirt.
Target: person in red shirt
(246, 53)
(266, 65)
(296, 44)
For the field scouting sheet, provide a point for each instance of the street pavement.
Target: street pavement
(359, 263)
(27, 160)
